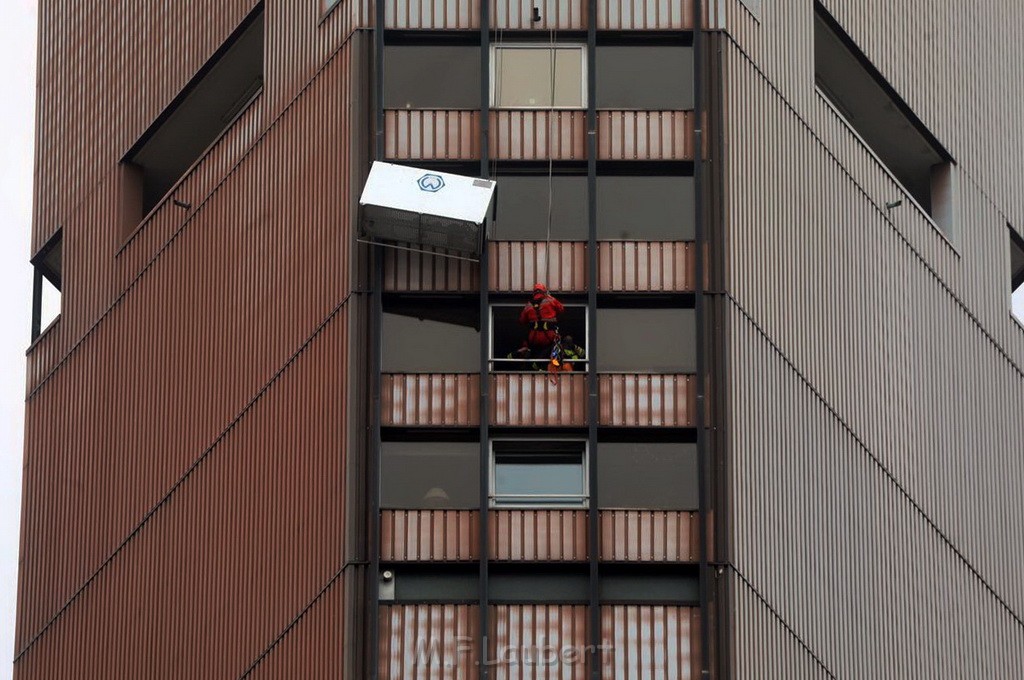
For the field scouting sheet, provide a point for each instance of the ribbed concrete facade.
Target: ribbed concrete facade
(875, 376)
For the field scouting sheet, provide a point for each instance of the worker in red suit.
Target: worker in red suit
(540, 316)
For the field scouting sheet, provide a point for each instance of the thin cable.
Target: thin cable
(551, 162)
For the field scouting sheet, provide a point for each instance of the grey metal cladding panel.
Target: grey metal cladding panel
(869, 585)
(851, 301)
(957, 65)
(906, 344)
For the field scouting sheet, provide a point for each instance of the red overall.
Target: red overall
(541, 316)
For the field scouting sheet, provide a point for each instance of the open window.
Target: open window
(207, 106)
(870, 105)
(1017, 274)
(644, 77)
(432, 77)
(539, 76)
(521, 208)
(646, 340)
(651, 475)
(531, 473)
(508, 337)
(438, 336)
(423, 475)
(47, 283)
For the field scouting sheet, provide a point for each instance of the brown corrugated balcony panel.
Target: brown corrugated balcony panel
(645, 135)
(430, 399)
(649, 536)
(429, 134)
(517, 15)
(645, 15)
(429, 535)
(432, 15)
(647, 400)
(538, 535)
(535, 400)
(417, 270)
(517, 265)
(646, 266)
(428, 642)
(538, 642)
(538, 134)
(650, 641)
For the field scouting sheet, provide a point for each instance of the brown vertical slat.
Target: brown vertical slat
(538, 134)
(532, 400)
(649, 642)
(649, 536)
(646, 400)
(431, 134)
(444, 633)
(429, 535)
(517, 265)
(538, 535)
(645, 135)
(646, 266)
(430, 399)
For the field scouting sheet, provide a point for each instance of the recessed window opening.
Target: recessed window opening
(1017, 275)
(47, 283)
(538, 473)
(538, 76)
(206, 107)
(431, 337)
(509, 338)
(867, 102)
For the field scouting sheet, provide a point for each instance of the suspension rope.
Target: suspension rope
(551, 164)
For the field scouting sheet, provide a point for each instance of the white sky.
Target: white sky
(17, 83)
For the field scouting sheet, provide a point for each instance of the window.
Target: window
(538, 76)
(508, 335)
(206, 107)
(659, 476)
(1017, 274)
(538, 473)
(646, 340)
(845, 76)
(521, 208)
(645, 208)
(432, 77)
(431, 337)
(644, 77)
(47, 280)
(422, 475)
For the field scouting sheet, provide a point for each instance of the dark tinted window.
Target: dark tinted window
(645, 340)
(522, 210)
(1017, 274)
(431, 338)
(647, 475)
(648, 77)
(431, 77)
(645, 208)
(429, 475)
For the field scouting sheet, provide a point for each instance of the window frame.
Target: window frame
(490, 334)
(544, 502)
(581, 48)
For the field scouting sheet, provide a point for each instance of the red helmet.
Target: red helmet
(540, 288)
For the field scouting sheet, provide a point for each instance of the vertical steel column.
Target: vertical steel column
(485, 339)
(376, 332)
(593, 525)
(699, 313)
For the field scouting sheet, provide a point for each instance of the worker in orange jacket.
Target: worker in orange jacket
(540, 316)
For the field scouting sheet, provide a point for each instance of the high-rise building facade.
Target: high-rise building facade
(263, 442)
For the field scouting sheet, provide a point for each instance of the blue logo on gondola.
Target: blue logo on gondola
(431, 183)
